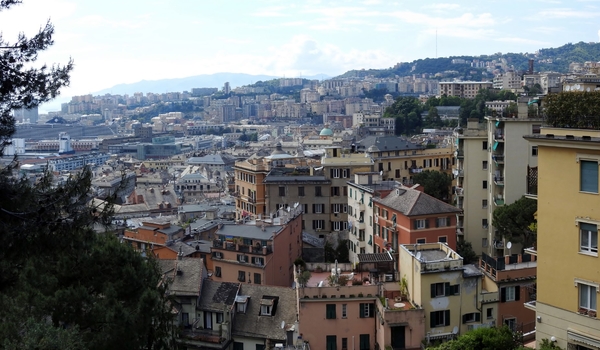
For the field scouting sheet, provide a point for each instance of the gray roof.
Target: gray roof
(190, 208)
(219, 159)
(252, 324)
(170, 230)
(218, 296)
(189, 281)
(248, 231)
(189, 248)
(301, 178)
(387, 143)
(412, 202)
(471, 270)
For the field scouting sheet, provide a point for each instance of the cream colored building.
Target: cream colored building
(464, 89)
(446, 289)
(472, 159)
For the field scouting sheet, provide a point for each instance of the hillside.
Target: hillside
(551, 59)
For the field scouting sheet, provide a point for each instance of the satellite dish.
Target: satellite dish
(380, 172)
(455, 330)
(282, 324)
(418, 255)
(509, 245)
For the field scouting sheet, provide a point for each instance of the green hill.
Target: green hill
(551, 59)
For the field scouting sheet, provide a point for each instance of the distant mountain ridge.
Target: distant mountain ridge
(216, 80)
(551, 59)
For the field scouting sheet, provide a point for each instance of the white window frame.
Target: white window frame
(319, 224)
(510, 293)
(443, 222)
(265, 310)
(421, 224)
(589, 248)
(336, 173)
(337, 208)
(319, 208)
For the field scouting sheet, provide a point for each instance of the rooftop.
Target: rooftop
(185, 275)
(218, 296)
(249, 231)
(412, 202)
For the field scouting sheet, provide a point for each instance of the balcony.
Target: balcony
(459, 191)
(499, 201)
(499, 135)
(244, 248)
(458, 172)
(460, 154)
(499, 180)
(532, 182)
(498, 158)
(249, 199)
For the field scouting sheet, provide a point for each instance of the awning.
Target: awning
(582, 338)
(495, 145)
(498, 123)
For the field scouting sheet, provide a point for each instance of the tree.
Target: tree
(492, 338)
(435, 183)
(407, 112)
(514, 221)
(21, 84)
(62, 285)
(465, 249)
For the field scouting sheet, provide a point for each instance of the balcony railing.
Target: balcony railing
(244, 248)
(498, 158)
(499, 180)
(532, 180)
(460, 191)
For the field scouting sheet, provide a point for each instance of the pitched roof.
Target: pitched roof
(412, 202)
(387, 143)
(185, 275)
(252, 324)
(217, 296)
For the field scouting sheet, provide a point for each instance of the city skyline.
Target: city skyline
(124, 42)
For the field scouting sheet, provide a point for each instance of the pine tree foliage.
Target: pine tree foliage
(21, 84)
(63, 285)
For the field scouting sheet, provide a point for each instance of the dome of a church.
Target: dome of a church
(326, 131)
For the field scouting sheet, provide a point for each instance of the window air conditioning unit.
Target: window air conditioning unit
(389, 278)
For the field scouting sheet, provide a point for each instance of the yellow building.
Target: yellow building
(568, 275)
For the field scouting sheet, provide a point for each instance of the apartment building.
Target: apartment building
(407, 215)
(307, 189)
(246, 252)
(399, 159)
(469, 195)
(509, 80)
(509, 284)
(366, 186)
(463, 89)
(446, 289)
(568, 279)
(509, 158)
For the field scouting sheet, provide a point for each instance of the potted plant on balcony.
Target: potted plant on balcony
(403, 288)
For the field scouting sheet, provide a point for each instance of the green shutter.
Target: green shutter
(432, 319)
(477, 317)
(447, 317)
(361, 310)
(433, 290)
(426, 223)
(447, 289)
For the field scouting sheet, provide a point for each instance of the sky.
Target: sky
(126, 41)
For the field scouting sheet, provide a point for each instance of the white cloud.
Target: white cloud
(442, 7)
(560, 13)
(270, 12)
(518, 40)
(598, 35)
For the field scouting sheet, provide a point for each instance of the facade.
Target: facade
(409, 216)
(246, 252)
(510, 284)
(463, 89)
(446, 289)
(509, 158)
(399, 159)
(367, 186)
(469, 195)
(568, 278)
(192, 187)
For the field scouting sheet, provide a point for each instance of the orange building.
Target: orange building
(261, 252)
(151, 234)
(408, 216)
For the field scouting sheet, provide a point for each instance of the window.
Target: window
(536, 128)
(365, 343)
(509, 293)
(484, 223)
(511, 323)
(420, 224)
(318, 191)
(587, 298)
(443, 239)
(265, 310)
(421, 241)
(471, 317)
(301, 191)
(217, 271)
(318, 208)
(219, 317)
(335, 173)
(242, 258)
(344, 311)
(534, 151)
(588, 236)
(442, 222)
(489, 312)
(330, 311)
(484, 145)
(335, 191)
(331, 342)
(238, 346)
(397, 173)
(241, 276)
(444, 289)
(484, 203)
(281, 191)
(439, 318)
(367, 310)
(258, 261)
(257, 278)
(589, 176)
(241, 307)
(344, 343)
(318, 224)
(484, 184)
(485, 165)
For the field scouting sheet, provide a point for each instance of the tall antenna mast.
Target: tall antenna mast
(436, 43)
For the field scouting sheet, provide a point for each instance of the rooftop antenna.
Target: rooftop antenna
(436, 56)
